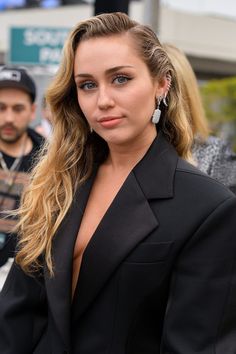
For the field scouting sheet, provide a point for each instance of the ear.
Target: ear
(163, 87)
(33, 111)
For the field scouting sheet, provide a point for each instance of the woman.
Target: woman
(212, 154)
(125, 248)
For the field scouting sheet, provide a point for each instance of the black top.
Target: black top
(157, 276)
(12, 184)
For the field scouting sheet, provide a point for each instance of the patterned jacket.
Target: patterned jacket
(215, 157)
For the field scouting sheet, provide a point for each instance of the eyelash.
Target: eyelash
(83, 85)
(127, 78)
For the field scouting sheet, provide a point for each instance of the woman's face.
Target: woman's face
(115, 90)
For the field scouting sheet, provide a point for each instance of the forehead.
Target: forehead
(112, 50)
(10, 95)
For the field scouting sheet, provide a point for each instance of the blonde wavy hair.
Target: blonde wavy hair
(189, 90)
(68, 159)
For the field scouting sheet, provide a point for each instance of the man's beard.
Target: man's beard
(14, 136)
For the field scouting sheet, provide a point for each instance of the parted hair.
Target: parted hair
(69, 157)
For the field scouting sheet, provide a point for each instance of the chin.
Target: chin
(10, 140)
(121, 140)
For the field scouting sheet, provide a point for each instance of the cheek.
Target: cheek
(142, 102)
(23, 119)
(85, 106)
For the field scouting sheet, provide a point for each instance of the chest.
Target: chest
(99, 201)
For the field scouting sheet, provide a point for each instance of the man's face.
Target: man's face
(16, 112)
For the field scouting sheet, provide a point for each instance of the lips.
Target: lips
(105, 119)
(7, 130)
(109, 122)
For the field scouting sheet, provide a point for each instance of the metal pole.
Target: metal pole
(101, 6)
(152, 14)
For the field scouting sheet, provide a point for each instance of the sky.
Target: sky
(214, 7)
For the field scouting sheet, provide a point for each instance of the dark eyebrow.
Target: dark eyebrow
(14, 105)
(109, 71)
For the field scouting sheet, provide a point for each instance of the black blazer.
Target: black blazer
(158, 275)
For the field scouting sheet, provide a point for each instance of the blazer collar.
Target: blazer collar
(155, 172)
(128, 221)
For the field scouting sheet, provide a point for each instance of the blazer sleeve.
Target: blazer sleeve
(201, 313)
(23, 312)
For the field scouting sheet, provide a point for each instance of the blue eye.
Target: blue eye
(88, 85)
(121, 79)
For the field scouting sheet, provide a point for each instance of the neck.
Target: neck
(125, 157)
(22, 146)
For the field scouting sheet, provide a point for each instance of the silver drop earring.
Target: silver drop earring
(164, 100)
(157, 113)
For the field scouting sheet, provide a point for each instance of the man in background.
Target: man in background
(19, 146)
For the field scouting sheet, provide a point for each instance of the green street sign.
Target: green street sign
(36, 45)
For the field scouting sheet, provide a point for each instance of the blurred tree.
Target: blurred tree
(219, 99)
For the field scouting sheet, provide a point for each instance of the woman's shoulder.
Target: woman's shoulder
(205, 151)
(190, 179)
(213, 142)
(219, 146)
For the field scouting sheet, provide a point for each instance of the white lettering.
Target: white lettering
(28, 37)
(45, 37)
(47, 54)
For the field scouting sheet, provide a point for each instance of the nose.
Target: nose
(9, 116)
(105, 99)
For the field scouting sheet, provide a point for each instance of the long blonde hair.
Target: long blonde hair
(189, 90)
(68, 160)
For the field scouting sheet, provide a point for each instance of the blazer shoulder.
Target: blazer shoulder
(200, 181)
(187, 167)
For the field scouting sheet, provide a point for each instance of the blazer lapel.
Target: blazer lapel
(128, 221)
(59, 286)
(155, 172)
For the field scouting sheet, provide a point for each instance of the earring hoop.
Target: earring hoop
(168, 78)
